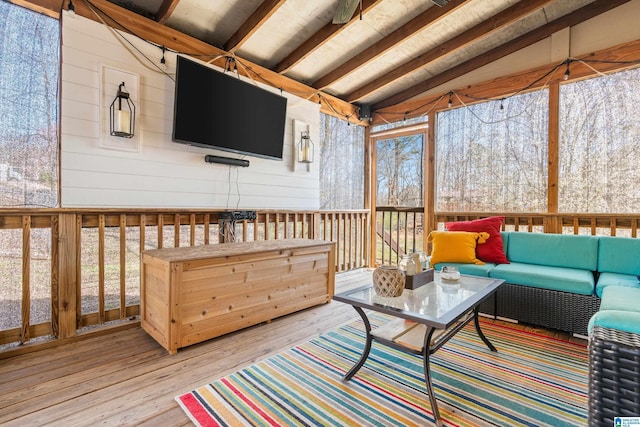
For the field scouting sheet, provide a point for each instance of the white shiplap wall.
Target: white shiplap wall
(162, 173)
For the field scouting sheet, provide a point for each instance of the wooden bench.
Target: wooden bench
(192, 294)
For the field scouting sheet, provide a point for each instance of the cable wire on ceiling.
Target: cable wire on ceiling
(548, 75)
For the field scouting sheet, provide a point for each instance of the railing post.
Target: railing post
(267, 223)
(192, 229)
(553, 224)
(26, 274)
(123, 262)
(55, 276)
(101, 269)
(206, 231)
(316, 225)
(176, 230)
(365, 238)
(67, 285)
(78, 265)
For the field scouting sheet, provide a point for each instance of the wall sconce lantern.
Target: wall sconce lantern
(123, 114)
(305, 148)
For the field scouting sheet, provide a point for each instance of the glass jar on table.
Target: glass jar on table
(408, 265)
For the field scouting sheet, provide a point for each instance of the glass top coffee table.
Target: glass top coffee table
(425, 318)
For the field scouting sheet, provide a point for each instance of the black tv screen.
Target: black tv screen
(217, 110)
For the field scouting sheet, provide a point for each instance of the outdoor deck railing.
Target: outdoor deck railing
(398, 231)
(401, 230)
(65, 271)
(624, 225)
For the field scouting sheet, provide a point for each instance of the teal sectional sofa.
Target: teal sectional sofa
(579, 284)
(556, 280)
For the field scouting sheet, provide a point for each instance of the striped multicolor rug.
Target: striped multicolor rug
(532, 380)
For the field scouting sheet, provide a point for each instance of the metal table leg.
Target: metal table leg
(428, 350)
(479, 331)
(426, 354)
(367, 346)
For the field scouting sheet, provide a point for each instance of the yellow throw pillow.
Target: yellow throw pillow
(455, 246)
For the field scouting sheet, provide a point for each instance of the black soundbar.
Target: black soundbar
(226, 160)
(237, 215)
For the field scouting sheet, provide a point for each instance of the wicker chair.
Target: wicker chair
(614, 375)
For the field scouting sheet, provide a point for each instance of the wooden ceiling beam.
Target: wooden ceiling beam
(587, 12)
(266, 9)
(320, 38)
(417, 24)
(166, 9)
(483, 29)
(607, 60)
(50, 8)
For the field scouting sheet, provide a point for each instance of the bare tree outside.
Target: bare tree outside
(29, 64)
(493, 156)
(600, 144)
(399, 219)
(400, 172)
(341, 164)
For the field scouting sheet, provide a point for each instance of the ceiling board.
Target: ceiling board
(212, 21)
(288, 28)
(384, 18)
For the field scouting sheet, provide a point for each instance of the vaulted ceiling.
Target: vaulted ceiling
(382, 54)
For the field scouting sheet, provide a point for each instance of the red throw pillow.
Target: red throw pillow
(493, 249)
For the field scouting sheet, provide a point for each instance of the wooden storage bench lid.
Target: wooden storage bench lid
(231, 249)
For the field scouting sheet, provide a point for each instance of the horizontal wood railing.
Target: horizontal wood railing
(400, 230)
(625, 225)
(65, 271)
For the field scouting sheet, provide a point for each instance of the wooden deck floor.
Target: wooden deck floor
(126, 378)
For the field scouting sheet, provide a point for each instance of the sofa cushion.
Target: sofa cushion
(622, 320)
(619, 255)
(620, 298)
(616, 279)
(558, 250)
(455, 246)
(471, 269)
(545, 277)
(505, 240)
(491, 251)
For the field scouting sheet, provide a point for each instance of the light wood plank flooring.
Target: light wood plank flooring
(126, 378)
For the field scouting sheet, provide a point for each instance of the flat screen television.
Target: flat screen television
(217, 110)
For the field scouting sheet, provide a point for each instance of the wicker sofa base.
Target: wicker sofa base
(614, 375)
(488, 306)
(564, 311)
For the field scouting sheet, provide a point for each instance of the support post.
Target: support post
(67, 266)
